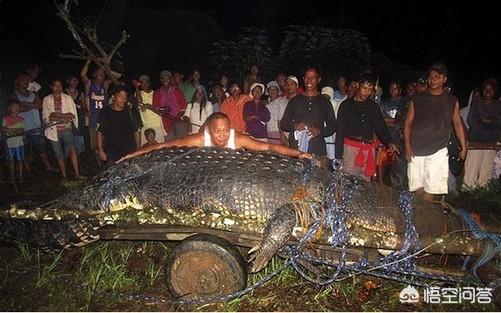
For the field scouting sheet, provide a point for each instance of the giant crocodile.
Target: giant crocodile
(233, 190)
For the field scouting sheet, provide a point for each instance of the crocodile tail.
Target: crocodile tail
(50, 234)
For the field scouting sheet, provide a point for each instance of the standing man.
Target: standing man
(33, 70)
(117, 132)
(427, 132)
(484, 119)
(30, 106)
(359, 122)
(392, 108)
(292, 86)
(309, 117)
(96, 91)
(170, 100)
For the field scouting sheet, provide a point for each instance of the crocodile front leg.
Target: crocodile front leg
(276, 233)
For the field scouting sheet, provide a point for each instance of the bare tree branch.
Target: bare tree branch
(101, 58)
(122, 40)
(92, 36)
(73, 56)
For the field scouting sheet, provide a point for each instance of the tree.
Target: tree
(236, 57)
(91, 46)
(336, 51)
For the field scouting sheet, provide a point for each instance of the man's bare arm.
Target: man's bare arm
(246, 142)
(460, 134)
(137, 139)
(407, 132)
(84, 72)
(195, 140)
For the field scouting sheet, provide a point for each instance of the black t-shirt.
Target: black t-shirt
(432, 126)
(360, 121)
(118, 129)
(313, 112)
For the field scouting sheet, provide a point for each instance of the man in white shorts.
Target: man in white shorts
(427, 132)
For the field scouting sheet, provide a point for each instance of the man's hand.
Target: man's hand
(304, 155)
(283, 140)
(409, 154)
(462, 154)
(313, 131)
(485, 120)
(392, 148)
(299, 126)
(102, 155)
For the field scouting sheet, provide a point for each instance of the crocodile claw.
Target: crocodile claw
(254, 249)
(275, 235)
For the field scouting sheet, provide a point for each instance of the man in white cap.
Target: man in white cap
(292, 84)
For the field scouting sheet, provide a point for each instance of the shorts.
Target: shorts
(37, 141)
(430, 172)
(79, 144)
(66, 140)
(15, 153)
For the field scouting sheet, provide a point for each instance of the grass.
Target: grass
(153, 272)
(26, 255)
(105, 270)
(45, 272)
(486, 199)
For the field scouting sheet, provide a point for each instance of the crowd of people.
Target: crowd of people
(347, 125)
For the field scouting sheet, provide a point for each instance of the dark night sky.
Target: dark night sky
(416, 33)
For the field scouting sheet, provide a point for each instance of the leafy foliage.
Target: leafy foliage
(236, 57)
(334, 50)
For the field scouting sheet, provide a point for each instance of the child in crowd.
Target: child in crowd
(13, 127)
(150, 137)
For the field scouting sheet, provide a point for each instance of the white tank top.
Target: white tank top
(231, 141)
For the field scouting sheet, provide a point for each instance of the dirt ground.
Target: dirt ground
(129, 275)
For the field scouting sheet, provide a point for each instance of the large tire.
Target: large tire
(203, 266)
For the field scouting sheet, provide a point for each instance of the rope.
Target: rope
(493, 246)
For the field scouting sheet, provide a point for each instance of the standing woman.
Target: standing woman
(197, 111)
(60, 107)
(256, 114)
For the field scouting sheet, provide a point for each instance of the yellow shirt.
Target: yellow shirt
(150, 118)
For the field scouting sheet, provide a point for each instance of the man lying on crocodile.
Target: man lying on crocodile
(218, 133)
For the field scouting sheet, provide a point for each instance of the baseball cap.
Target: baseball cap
(439, 68)
(294, 79)
(145, 77)
(165, 73)
(328, 91)
(422, 81)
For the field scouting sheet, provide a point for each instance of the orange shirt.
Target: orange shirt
(235, 111)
